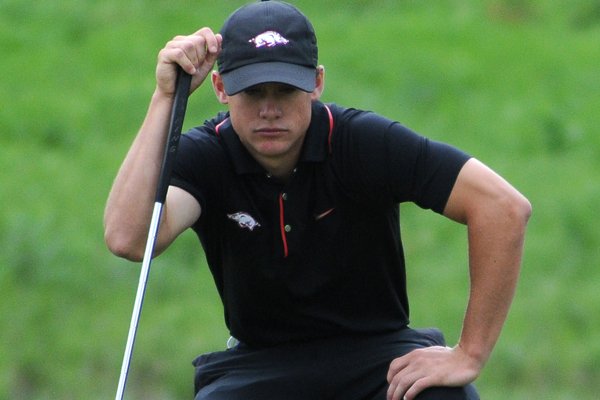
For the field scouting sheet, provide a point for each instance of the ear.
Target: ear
(320, 83)
(219, 88)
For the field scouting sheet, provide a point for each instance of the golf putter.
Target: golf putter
(176, 122)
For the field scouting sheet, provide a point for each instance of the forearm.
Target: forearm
(496, 237)
(130, 202)
(496, 234)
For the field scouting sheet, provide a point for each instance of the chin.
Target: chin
(272, 149)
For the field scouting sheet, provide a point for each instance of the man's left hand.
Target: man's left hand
(428, 367)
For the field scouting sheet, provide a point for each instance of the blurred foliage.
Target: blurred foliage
(515, 83)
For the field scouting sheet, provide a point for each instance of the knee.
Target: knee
(449, 393)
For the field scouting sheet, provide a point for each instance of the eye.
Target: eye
(270, 89)
(286, 89)
(253, 91)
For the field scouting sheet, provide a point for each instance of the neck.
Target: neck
(279, 168)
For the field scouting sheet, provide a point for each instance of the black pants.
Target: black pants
(348, 368)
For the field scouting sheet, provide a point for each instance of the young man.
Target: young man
(296, 204)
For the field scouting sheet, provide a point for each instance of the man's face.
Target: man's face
(271, 119)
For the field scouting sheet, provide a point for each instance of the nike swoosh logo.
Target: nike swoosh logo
(324, 214)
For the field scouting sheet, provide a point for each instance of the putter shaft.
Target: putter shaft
(182, 90)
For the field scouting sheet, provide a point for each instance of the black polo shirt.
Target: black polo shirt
(319, 255)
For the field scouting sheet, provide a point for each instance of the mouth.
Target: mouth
(270, 132)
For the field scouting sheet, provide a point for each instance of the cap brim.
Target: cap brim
(301, 77)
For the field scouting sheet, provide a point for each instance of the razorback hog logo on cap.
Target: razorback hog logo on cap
(269, 39)
(244, 220)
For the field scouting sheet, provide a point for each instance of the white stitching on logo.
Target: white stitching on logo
(244, 220)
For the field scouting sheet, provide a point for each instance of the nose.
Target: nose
(269, 108)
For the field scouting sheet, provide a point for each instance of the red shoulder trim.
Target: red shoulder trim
(219, 126)
(330, 127)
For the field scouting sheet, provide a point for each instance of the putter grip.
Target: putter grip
(182, 91)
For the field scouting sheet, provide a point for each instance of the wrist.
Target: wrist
(475, 356)
(160, 96)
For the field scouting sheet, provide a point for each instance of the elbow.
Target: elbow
(507, 211)
(510, 213)
(123, 245)
(520, 209)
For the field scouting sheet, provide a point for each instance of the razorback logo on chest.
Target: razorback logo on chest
(244, 220)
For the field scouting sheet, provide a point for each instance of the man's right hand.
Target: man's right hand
(196, 54)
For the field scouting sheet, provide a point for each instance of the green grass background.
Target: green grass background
(515, 83)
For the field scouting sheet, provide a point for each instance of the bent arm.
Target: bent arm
(131, 200)
(496, 216)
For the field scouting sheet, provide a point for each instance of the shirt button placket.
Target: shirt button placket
(287, 227)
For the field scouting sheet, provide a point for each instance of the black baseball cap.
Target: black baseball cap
(268, 41)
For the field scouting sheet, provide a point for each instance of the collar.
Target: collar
(314, 148)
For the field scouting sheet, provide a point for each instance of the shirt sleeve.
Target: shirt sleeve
(199, 157)
(197, 164)
(393, 163)
(433, 172)
(183, 175)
